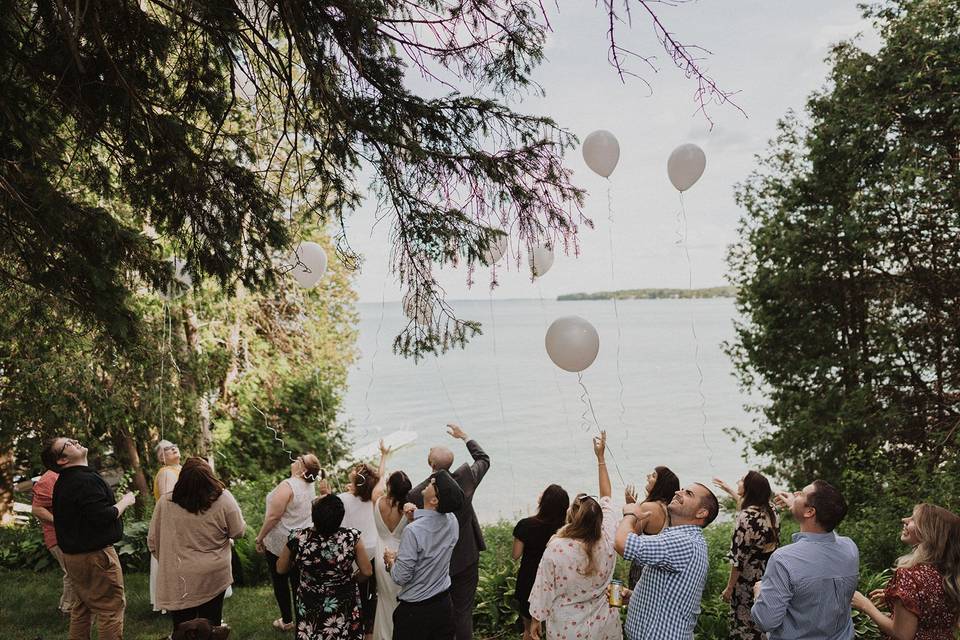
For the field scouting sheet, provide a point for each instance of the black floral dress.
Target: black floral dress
(755, 538)
(328, 600)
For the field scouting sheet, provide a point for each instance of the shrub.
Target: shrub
(22, 547)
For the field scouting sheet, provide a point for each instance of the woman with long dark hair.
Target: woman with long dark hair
(328, 597)
(190, 536)
(570, 590)
(662, 484)
(390, 522)
(366, 485)
(924, 593)
(530, 538)
(756, 535)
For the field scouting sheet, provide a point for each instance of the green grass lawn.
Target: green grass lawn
(28, 610)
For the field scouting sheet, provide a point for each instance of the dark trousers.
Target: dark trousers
(212, 610)
(431, 619)
(284, 588)
(463, 592)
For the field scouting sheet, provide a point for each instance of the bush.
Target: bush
(22, 547)
(497, 612)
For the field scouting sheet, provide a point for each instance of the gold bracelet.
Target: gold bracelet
(601, 464)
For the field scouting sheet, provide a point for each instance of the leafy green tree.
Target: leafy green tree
(204, 123)
(847, 269)
(211, 371)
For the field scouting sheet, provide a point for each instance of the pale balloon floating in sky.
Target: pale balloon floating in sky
(601, 152)
(572, 343)
(685, 166)
(309, 263)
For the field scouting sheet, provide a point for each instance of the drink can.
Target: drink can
(616, 593)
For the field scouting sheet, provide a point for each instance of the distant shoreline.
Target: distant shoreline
(653, 294)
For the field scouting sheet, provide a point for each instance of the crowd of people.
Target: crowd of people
(388, 560)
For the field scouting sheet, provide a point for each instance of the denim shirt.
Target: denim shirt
(807, 587)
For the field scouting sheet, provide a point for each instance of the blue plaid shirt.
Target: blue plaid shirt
(666, 600)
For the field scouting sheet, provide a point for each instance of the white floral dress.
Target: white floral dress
(575, 606)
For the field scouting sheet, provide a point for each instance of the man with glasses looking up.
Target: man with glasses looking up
(87, 523)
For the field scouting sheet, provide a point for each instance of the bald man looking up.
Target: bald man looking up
(464, 573)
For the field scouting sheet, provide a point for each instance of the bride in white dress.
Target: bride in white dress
(388, 516)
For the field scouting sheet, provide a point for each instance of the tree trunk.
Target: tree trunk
(6, 486)
(126, 448)
(191, 331)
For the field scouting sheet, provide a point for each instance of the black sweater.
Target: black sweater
(83, 512)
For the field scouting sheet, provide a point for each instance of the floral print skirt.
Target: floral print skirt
(333, 614)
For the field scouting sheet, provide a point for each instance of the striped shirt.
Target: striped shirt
(666, 601)
(807, 588)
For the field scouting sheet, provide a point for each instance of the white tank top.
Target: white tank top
(297, 515)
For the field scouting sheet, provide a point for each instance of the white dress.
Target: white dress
(575, 606)
(387, 589)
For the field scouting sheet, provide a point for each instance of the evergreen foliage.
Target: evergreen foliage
(848, 279)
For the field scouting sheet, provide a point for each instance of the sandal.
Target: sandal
(280, 625)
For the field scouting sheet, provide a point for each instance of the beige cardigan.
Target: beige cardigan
(193, 551)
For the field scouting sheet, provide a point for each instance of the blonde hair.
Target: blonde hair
(158, 450)
(939, 531)
(585, 523)
(311, 467)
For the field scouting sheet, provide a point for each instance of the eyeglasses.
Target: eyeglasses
(63, 448)
(583, 496)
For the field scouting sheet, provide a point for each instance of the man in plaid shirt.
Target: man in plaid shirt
(666, 600)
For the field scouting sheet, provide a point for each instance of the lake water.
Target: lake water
(533, 418)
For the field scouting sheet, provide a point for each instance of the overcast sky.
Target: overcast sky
(771, 51)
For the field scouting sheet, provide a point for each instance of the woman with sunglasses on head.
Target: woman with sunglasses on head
(530, 538)
(756, 535)
(569, 593)
(288, 509)
(662, 484)
(168, 455)
(390, 522)
(923, 595)
(366, 486)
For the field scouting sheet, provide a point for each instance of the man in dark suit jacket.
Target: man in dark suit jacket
(464, 573)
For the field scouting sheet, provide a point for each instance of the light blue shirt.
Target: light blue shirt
(666, 600)
(422, 567)
(806, 590)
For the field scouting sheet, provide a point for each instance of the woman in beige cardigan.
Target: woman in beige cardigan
(190, 536)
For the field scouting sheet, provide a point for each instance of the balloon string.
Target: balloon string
(696, 340)
(276, 434)
(163, 359)
(496, 370)
(332, 478)
(616, 313)
(585, 398)
(556, 378)
(373, 359)
(446, 391)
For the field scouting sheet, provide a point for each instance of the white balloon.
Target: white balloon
(686, 165)
(572, 343)
(416, 306)
(496, 250)
(601, 152)
(541, 259)
(182, 281)
(309, 263)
